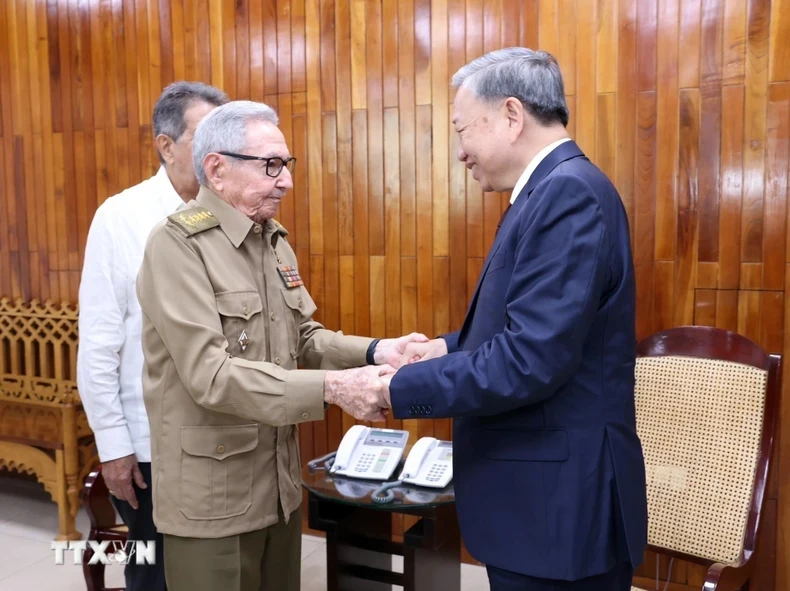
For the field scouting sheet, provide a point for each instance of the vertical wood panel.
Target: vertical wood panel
(666, 197)
(779, 48)
(685, 105)
(644, 217)
(754, 130)
(777, 156)
(686, 260)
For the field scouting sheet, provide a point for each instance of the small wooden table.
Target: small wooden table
(359, 546)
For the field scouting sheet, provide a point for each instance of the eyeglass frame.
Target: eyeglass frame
(285, 161)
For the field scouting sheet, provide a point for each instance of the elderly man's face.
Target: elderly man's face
(248, 188)
(482, 138)
(179, 158)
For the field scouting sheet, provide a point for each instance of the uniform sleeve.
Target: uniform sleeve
(102, 298)
(328, 349)
(178, 300)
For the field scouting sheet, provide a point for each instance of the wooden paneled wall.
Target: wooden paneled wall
(685, 104)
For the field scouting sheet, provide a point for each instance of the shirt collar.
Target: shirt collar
(171, 199)
(533, 164)
(235, 224)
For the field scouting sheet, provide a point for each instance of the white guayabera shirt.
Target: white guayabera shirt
(110, 354)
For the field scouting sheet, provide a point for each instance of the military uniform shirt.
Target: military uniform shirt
(225, 323)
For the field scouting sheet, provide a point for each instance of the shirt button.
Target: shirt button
(220, 449)
(300, 302)
(257, 228)
(245, 309)
(272, 316)
(305, 415)
(277, 360)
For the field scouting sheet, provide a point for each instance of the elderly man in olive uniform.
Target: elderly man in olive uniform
(226, 320)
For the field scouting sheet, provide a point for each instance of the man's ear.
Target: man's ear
(215, 167)
(516, 117)
(164, 145)
(514, 111)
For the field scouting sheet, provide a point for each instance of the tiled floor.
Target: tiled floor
(27, 522)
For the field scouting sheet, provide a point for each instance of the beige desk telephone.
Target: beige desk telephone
(430, 463)
(366, 452)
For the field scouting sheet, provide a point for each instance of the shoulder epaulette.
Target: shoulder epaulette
(279, 228)
(194, 220)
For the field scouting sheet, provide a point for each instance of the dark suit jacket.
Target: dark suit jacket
(548, 469)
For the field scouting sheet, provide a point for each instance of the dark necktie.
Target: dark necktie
(502, 219)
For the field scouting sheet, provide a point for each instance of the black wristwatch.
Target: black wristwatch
(371, 350)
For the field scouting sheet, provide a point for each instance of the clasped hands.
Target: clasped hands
(363, 392)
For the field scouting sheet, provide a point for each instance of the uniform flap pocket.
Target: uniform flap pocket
(529, 445)
(293, 299)
(241, 304)
(219, 442)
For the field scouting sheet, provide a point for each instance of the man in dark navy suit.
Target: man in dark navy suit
(548, 468)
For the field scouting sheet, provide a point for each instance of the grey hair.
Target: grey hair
(172, 104)
(533, 77)
(225, 130)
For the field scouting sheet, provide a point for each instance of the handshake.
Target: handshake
(363, 392)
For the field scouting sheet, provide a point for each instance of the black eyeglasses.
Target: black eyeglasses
(274, 165)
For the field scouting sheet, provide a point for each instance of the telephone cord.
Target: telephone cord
(328, 460)
(383, 494)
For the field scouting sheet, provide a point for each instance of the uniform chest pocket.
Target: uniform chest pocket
(242, 323)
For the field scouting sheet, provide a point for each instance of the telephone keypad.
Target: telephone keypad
(364, 462)
(436, 472)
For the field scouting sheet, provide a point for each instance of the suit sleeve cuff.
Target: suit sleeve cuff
(113, 443)
(304, 396)
(451, 339)
(346, 351)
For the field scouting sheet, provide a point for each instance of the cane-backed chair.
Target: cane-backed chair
(706, 403)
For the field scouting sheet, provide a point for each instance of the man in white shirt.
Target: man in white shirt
(110, 355)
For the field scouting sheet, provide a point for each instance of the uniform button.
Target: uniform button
(277, 360)
(305, 415)
(245, 309)
(272, 316)
(411, 410)
(220, 449)
(300, 302)
(257, 228)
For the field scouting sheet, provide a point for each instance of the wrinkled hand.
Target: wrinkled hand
(390, 351)
(415, 352)
(361, 391)
(119, 474)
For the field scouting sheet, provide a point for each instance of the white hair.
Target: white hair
(533, 77)
(225, 130)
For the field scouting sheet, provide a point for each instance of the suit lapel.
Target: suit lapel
(560, 154)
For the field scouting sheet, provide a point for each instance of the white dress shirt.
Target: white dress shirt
(533, 164)
(110, 354)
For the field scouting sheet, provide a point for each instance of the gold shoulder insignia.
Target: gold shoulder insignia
(279, 228)
(194, 220)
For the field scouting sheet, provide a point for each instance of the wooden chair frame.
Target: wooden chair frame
(715, 343)
(101, 513)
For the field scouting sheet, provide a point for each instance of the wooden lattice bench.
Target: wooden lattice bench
(43, 428)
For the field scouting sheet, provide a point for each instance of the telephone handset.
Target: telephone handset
(366, 452)
(430, 463)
